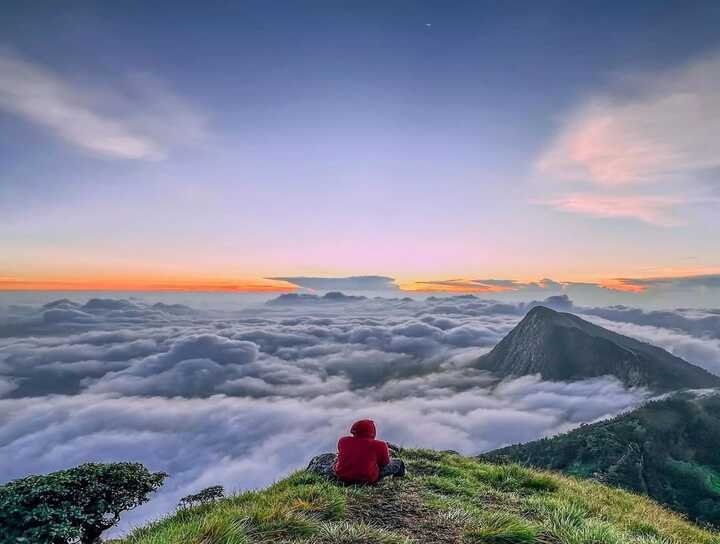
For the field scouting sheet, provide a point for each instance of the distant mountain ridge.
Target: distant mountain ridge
(668, 449)
(333, 297)
(563, 347)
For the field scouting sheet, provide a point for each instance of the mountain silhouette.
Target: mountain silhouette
(563, 347)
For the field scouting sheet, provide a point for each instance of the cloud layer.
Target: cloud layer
(240, 397)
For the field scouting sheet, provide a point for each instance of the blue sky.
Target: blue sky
(428, 141)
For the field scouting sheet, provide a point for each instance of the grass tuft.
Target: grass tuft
(570, 524)
(501, 528)
(357, 533)
(516, 478)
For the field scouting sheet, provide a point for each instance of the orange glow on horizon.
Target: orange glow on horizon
(449, 288)
(224, 285)
(638, 284)
(622, 285)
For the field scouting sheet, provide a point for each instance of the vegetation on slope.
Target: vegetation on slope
(667, 449)
(446, 498)
(73, 505)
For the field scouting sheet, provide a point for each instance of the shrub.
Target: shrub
(209, 494)
(74, 505)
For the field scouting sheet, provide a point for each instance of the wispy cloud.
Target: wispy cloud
(668, 131)
(649, 146)
(351, 283)
(462, 285)
(702, 279)
(650, 209)
(683, 282)
(143, 123)
(457, 284)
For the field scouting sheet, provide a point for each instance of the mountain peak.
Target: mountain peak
(542, 311)
(563, 347)
(553, 317)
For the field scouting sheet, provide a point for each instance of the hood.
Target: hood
(365, 428)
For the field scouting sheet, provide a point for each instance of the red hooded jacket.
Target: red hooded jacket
(360, 456)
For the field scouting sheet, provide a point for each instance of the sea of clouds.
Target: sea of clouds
(241, 396)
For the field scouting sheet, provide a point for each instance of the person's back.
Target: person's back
(360, 456)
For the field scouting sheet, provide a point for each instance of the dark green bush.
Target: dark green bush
(209, 494)
(74, 505)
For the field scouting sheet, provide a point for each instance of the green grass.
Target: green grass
(500, 528)
(446, 498)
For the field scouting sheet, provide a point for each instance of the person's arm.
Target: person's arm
(340, 445)
(383, 454)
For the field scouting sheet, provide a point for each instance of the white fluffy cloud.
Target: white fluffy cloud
(702, 351)
(6, 385)
(244, 442)
(241, 397)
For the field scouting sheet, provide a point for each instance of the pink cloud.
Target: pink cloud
(649, 209)
(608, 147)
(645, 151)
(668, 129)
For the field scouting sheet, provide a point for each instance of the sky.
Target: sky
(449, 146)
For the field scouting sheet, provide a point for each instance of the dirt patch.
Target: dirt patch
(394, 505)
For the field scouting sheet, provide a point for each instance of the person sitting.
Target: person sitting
(361, 459)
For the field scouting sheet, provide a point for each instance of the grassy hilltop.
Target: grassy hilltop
(446, 498)
(667, 449)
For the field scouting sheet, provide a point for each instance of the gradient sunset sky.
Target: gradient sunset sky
(213, 145)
